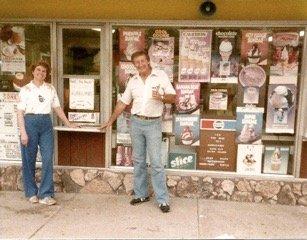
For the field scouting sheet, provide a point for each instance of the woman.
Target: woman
(36, 99)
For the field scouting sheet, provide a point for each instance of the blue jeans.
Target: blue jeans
(40, 133)
(147, 135)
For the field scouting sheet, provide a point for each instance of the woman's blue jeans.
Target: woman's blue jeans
(40, 133)
(147, 135)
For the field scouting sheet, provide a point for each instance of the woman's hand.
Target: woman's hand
(73, 125)
(24, 138)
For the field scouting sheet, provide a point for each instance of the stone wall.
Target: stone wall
(108, 181)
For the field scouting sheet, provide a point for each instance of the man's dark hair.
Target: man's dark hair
(140, 53)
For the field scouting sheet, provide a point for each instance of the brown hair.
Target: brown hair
(140, 53)
(45, 65)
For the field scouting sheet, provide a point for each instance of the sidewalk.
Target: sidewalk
(110, 216)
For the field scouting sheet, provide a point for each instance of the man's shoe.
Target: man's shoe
(33, 199)
(164, 207)
(47, 201)
(139, 200)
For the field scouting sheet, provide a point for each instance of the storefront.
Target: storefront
(237, 130)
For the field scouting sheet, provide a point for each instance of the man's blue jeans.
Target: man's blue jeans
(40, 133)
(147, 135)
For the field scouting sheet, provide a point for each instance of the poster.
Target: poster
(12, 46)
(126, 71)
(81, 93)
(10, 147)
(249, 159)
(187, 97)
(276, 159)
(130, 41)
(8, 112)
(217, 151)
(124, 156)
(249, 124)
(225, 57)
(285, 57)
(84, 117)
(161, 52)
(254, 47)
(281, 107)
(167, 118)
(186, 128)
(218, 99)
(182, 160)
(194, 55)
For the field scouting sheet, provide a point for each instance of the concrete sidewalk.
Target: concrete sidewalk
(111, 216)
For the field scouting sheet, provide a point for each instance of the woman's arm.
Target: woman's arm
(60, 113)
(21, 124)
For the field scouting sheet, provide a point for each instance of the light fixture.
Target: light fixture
(302, 33)
(207, 8)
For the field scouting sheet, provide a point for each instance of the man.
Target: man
(149, 90)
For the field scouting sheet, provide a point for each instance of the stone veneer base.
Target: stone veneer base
(84, 180)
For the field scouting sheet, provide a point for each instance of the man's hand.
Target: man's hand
(157, 96)
(104, 125)
(24, 138)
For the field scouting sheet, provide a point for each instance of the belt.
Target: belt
(37, 114)
(145, 118)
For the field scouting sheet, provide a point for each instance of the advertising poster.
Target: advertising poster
(8, 112)
(126, 71)
(167, 118)
(281, 107)
(249, 124)
(276, 159)
(254, 47)
(182, 160)
(124, 156)
(225, 57)
(187, 97)
(194, 55)
(217, 151)
(249, 159)
(130, 41)
(161, 52)
(10, 147)
(83, 117)
(81, 93)
(12, 45)
(284, 57)
(251, 89)
(186, 128)
(218, 99)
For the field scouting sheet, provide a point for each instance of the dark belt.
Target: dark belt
(145, 118)
(37, 114)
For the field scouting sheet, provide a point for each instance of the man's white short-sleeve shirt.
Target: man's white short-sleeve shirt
(141, 93)
(38, 100)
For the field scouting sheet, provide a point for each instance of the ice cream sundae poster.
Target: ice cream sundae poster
(281, 107)
(249, 124)
(284, 58)
(130, 41)
(126, 71)
(161, 53)
(187, 97)
(124, 156)
(249, 159)
(12, 45)
(194, 55)
(218, 99)
(182, 160)
(276, 159)
(186, 128)
(225, 58)
(217, 151)
(254, 47)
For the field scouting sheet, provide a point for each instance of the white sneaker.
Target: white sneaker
(33, 199)
(48, 201)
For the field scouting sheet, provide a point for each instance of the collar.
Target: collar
(32, 85)
(154, 72)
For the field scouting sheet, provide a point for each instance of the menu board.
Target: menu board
(217, 151)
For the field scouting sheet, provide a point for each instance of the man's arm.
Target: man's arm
(119, 108)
